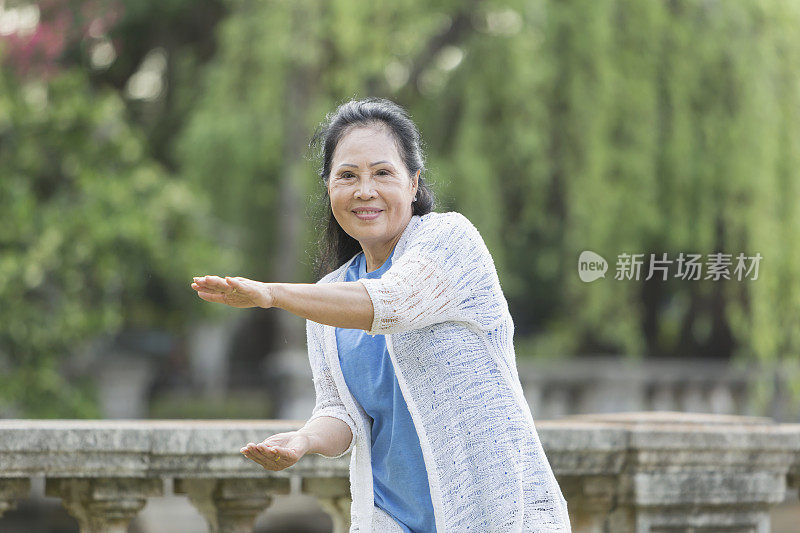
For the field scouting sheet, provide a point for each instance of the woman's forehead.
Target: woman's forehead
(366, 143)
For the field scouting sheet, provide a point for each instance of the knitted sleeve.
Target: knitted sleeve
(328, 401)
(445, 273)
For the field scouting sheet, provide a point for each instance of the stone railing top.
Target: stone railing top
(671, 470)
(576, 446)
(144, 448)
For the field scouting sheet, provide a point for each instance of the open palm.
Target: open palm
(279, 451)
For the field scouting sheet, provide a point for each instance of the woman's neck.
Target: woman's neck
(377, 256)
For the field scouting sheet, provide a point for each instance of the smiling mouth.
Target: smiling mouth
(367, 214)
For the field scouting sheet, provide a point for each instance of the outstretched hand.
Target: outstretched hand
(236, 292)
(279, 451)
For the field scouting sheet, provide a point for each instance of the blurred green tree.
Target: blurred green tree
(95, 236)
(608, 125)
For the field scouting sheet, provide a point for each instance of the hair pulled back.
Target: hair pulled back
(335, 246)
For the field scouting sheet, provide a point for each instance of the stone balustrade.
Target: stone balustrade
(649, 472)
(561, 386)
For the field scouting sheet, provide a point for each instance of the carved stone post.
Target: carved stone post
(793, 479)
(333, 495)
(104, 505)
(12, 490)
(231, 505)
(591, 502)
(680, 472)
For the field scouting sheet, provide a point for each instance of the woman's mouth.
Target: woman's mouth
(367, 214)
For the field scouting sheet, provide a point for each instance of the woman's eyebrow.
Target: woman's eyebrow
(356, 166)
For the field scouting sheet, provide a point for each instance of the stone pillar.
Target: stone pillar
(12, 490)
(333, 495)
(683, 472)
(104, 505)
(793, 479)
(707, 501)
(231, 505)
(590, 502)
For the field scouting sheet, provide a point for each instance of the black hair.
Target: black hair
(335, 246)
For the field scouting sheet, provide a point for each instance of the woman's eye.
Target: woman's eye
(346, 175)
(383, 172)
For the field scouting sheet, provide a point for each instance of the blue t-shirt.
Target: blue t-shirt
(399, 476)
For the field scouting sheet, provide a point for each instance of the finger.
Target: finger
(270, 453)
(260, 462)
(246, 448)
(282, 450)
(259, 455)
(248, 452)
(209, 297)
(264, 450)
(206, 288)
(249, 455)
(236, 285)
(240, 284)
(214, 282)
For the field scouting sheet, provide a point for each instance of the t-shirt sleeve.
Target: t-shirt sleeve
(446, 273)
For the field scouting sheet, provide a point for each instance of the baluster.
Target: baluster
(333, 495)
(12, 490)
(231, 505)
(103, 505)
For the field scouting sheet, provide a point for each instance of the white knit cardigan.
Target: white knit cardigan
(449, 335)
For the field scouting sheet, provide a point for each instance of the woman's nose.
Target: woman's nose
(365, 190)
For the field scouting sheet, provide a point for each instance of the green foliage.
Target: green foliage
(279, 69)
(638, 127)
(94, 237)
(610, 125)
(694, 149)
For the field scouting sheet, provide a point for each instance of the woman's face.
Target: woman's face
(367, 172)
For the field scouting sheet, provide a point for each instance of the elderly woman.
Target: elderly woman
(411, 349)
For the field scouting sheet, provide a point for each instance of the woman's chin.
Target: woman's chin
(370, 237)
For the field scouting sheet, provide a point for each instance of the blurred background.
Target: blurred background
(143, 142)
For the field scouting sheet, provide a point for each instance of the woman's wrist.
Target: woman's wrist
(313, 440)
(327, 436)
(269, 295)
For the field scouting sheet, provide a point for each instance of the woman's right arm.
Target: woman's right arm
(330, 431)
(330, 425)
(324, 435)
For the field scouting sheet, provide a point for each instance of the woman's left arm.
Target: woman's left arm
(344, 304)
(445, 274)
